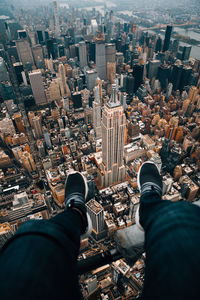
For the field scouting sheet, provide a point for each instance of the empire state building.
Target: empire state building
(113, 124)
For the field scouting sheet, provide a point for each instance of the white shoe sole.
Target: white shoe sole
(88, 229)
(137, 219)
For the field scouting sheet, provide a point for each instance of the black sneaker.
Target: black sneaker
(76, 190)
(75, 183)
(149, 179)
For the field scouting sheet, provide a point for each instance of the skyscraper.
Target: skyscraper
(101, 57)
(18, 67)
(37, 127)
(38, 55)
(61, 71)
(37, 86)
(82, 54)
(19, 123)
(95, 211)
(111, 71)
(153, 68)
(164, 72)
(57, 26)
(110, 52)
(113, 135)
(138, 71)
(24, 52)
(47, 139)
(27, 161)
(3, 71)
(96, 105)
(158, 44)
(91, 76)
(176, 75)
(167, 38)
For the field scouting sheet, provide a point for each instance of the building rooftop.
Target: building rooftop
(94, 206)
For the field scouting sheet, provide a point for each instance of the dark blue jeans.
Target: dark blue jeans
(40, 260)
(172, 245)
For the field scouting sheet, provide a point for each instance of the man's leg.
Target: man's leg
(172, 243)
(39, 262)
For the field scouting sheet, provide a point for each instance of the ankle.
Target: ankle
(83, 218)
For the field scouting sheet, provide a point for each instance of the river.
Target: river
(195, 51)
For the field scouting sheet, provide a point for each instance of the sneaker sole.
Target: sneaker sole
(88, 229)
(138, 176)
(85, 181)
(137, 219)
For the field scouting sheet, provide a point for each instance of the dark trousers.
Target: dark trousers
(40, 261)
(172, 245)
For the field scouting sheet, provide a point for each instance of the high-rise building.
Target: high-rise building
(22, 34)
(77, 101)
(18, 67)
(91, 76)
(164, 72)
(24, 52)
(37, 86)
(3, 71)
(101, 57)
(175, 46)
(27, 161)
(111, 71)
(94, 26)
(41, 149)
(5, 160)
(37, 126)
(6, 126)
(61, 72)
(40, 36)
(95, 211)
(47, 139)
(153, 68)
(167, 38)
(185, 77)
(51, 48)
(113, 137)
(99, 84)
(19, 123)
(61, 50)
(96, 108)
(56, 17)
(169, 90)
(110, 52)
(6, 90)
(192, 95)
(184, 52)
(122, 98)
(54, 89)
(158, 44)
(138, 71)
(176, 75)
(82, 54)
(129, 84)
(85, 97)
(37, 55)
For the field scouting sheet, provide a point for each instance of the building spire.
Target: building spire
(114, 95)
